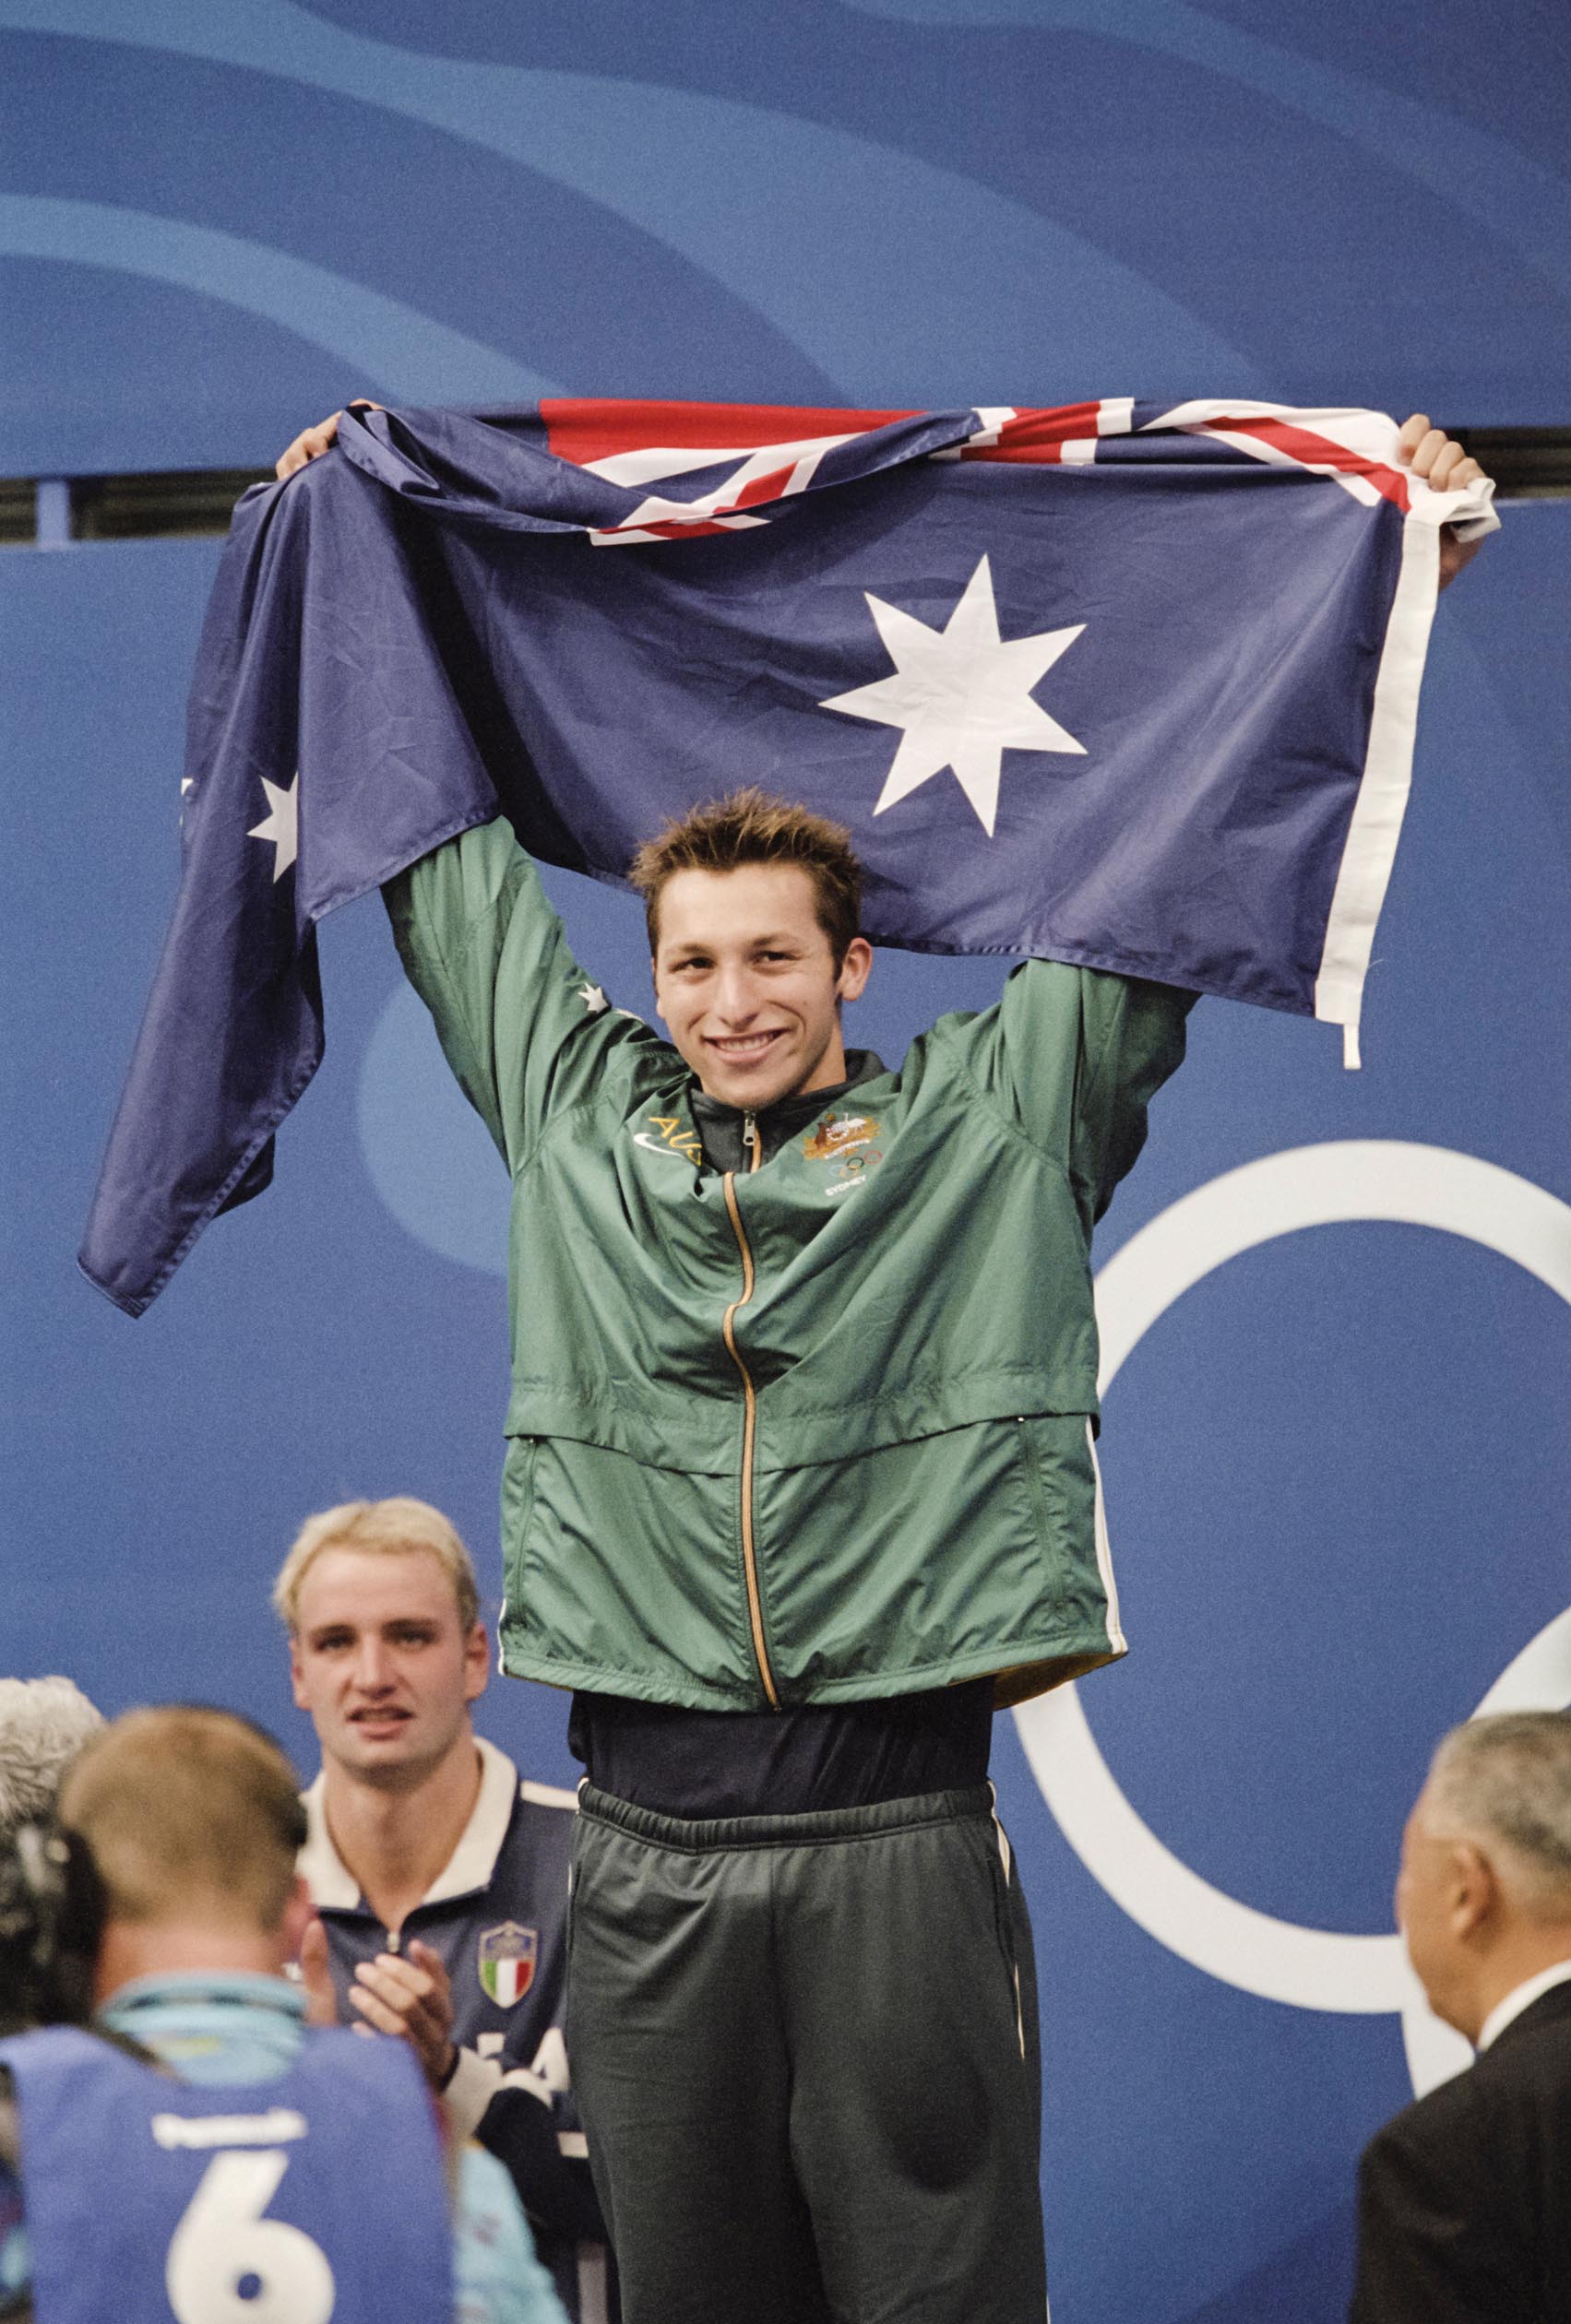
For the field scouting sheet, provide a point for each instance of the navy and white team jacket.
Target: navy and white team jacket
(497, 1914)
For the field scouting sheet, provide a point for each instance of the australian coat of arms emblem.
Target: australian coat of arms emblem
(838, 1135)
(507, 1962)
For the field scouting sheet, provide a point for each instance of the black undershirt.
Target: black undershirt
(814, 1756)
(693, 1763)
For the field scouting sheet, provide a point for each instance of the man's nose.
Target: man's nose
(736, 997)
(371, 1667)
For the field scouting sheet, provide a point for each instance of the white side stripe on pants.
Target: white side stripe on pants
(1008, 1857)
(592, 2303)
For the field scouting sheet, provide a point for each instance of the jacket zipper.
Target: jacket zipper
(751, 1139)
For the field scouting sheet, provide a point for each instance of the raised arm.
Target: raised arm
(523, 1026)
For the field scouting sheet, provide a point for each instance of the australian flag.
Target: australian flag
(1115, 684)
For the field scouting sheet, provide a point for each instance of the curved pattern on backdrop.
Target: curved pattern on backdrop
(429, 1158)
(1467, 169)
(1354, 1180)
(389, 343)
(905, 246)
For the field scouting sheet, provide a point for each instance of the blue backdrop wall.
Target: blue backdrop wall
(1335, 1442)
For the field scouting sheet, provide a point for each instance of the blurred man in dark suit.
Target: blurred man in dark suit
(1464, 2209)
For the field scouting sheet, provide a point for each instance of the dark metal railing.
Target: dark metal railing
(185, 503)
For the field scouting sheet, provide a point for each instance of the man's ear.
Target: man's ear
(477, 1662)
(655, 981)
(1474, 1889)
(298, 1913)
(855, 969)
(296, 1674)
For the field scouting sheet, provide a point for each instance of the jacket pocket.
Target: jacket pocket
(1049, 1532)
(1061, 1477)
(518, 1471)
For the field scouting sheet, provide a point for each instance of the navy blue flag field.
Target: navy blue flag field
(1119, 684)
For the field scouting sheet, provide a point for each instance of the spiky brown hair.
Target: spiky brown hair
(753, 827)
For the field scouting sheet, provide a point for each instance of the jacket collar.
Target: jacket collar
(186, 1989)
(471, 1866)
(1521, 1998)
(719, 1126)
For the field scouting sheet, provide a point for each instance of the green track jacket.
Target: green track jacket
(818, 1433)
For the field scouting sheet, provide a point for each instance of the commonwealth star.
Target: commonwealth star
(281, 824)
(962, 696)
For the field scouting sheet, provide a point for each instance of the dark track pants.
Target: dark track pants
(805, 2051)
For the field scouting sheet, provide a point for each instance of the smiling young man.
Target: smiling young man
(439, 1880)
(754, 960)
(800, 1484)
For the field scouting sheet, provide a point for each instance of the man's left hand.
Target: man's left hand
(1442, 462)
(409, 1995)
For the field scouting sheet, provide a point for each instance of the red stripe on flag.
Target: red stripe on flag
(763, 488)
(1319, 451)
(1038, 437)
(666, 528)
(582, 429)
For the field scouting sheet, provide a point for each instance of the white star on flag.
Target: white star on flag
(592, 997)
(963, 697)
(281, 824)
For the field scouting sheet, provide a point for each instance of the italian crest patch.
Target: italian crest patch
(507, 1962)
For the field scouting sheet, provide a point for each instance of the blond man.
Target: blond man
(235, 2180)
(439, 1877)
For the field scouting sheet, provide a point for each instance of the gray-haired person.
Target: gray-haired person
(48, 1914)
(43, 1725)
(1462, 2207)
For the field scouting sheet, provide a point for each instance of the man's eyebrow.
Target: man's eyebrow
(693, 947)
(343, 1626)
(767, 936)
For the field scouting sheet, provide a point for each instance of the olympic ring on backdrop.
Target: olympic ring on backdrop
(1339, 1183)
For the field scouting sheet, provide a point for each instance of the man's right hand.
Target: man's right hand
(311, 442)
(408, 1994)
